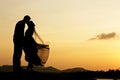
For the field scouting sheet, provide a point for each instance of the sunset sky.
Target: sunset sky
(81, 33)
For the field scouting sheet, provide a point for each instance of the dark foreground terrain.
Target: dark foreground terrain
(34, 75)
(51, 73)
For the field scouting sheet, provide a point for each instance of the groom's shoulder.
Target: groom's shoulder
(20, 22)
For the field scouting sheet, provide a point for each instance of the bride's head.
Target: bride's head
(30, 23)
(31, 28)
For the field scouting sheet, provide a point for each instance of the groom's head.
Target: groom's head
(26, 18)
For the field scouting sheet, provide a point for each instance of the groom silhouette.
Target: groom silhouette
(18, 42)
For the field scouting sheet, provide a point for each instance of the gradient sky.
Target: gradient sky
(79, 32)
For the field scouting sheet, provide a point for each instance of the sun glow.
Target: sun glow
(81, 33)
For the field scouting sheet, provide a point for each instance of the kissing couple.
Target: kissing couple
(26, 42)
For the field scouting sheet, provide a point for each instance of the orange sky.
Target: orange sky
(67, 26)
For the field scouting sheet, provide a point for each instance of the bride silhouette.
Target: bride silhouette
(31, 47)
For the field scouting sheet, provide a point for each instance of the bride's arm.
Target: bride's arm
(38, 37)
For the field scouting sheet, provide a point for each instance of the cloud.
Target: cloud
(104, 36)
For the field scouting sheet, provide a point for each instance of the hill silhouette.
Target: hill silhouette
(49, 69)
(40, 73)
(51, 73)
(75, 70)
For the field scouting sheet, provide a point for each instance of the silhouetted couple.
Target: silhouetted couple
(25, 41)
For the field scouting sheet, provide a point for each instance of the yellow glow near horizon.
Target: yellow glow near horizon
(66, 25)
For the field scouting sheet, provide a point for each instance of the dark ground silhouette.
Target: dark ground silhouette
(34, 75)
(51, 73)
